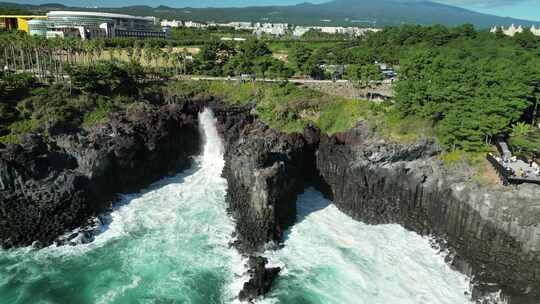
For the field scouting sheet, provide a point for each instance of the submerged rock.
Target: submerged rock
(261, 279)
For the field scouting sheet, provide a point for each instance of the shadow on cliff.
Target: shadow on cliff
(308, 203)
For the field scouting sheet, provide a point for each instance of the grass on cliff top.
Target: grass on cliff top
(17, 129)
(286, 107)
(393, 126)
(54, 105)
(472, 164)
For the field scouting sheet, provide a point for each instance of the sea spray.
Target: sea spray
(329, 258)
(168, 244)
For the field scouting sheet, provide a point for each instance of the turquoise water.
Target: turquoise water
(166, 245)
(169, 244)
(329, 258)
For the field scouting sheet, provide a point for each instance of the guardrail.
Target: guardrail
(507, 176)
(503, 173)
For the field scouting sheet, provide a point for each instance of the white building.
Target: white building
(173, 23)
(89, 25)
(535, 31)
(276, 29)
(513, 30)
(239, 25)
(194, 24)
(353, 31)
(233, 39)
(299, 31)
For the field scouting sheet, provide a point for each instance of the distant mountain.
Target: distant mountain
(338, 12)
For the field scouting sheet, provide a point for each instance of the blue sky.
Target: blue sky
(525, 9)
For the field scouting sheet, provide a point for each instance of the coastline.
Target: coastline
(488, 236)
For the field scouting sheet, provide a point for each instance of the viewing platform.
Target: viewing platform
(513, 170)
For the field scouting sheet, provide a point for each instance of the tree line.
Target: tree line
(47, 58)
(471, 85)
(30, 105)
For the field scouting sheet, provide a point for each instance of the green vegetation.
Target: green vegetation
(103, 87)
(472, 87)
(452, 158)
(250, 57)
(193, 36)
(392, 125)
(15, 11)
(364, 76)
(284, 107)
(458, 84)
(95, 91)
(525, 140)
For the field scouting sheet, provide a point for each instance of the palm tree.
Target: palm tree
(147, 53)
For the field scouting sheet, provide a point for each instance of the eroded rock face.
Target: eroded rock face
(493, 232)
(265, 171)
(49, 187)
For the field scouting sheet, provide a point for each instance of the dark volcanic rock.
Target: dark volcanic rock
(492, 231)
(49, 188)
(261, 279)
(265, 171)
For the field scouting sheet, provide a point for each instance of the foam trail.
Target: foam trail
(168, 244)
(330, 258)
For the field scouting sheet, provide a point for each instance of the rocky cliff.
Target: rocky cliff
(48, 187)
(493, 232)
(265, 171)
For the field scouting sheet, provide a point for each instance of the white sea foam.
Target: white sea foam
(169, 243)
(113, 294)
(159, 204)
(330, 258)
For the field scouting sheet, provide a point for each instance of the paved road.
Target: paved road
(210, 78)
(293, 80)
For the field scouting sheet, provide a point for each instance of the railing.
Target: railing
(507, 176)
(503, 173)
(521, 180)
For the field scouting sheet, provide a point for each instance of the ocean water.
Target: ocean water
(329, 258)
(169, 244)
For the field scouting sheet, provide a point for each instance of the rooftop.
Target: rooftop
(95, 14)
(23, 16)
